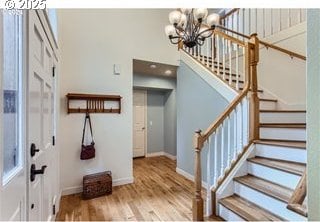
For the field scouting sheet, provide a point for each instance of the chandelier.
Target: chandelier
(187, 26)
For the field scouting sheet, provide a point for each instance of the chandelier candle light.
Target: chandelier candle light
(187, 26)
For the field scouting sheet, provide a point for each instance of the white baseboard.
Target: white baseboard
(161, 154)
(155, 154)
(189, 176)
(170, 156)
(78, 189)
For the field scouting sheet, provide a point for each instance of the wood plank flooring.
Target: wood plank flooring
(158, 194)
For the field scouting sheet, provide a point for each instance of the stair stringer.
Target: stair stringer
(241, 169)
(206, 74)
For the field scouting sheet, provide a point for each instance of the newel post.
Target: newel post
(254, 99)
(197, 201)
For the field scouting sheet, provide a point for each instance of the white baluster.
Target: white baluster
(218, 53)
(222, 150)
(238, 21)
(208, 51)
(237, 67)
(212, 52)
(230, 63)
(264, 22)
(289, 18)
(229, 141)
(244, 64)
(235, 150)
(198, 51)
(240, 128)
(246, 123)
(224, 59)
(209, 168)
(271, 22)
(215, 153)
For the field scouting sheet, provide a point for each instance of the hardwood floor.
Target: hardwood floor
(158, 194)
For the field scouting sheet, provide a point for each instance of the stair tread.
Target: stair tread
(268, 100)
(269, 188)
(283, 125)
(283, 165)
(281, 111)
(295, 144)
(247, 210)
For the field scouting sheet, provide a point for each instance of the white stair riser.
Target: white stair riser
(268, 105)
(228, 215)
(273, 175)
(269, 203)
(281, 153)
(294, 134)
(282, 117)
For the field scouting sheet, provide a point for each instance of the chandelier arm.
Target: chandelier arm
(200, 41)
(207, 30)
(175, 38)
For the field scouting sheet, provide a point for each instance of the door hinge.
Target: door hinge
(53, 71)
(54, 209)
(53, 140)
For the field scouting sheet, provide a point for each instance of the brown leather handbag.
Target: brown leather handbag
(87, 151)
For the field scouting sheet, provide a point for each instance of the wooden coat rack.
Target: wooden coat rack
(94, 103)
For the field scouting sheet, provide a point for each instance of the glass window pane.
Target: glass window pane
(12, 69)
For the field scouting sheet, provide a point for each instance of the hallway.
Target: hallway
(159, 193)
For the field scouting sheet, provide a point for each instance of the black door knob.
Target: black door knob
(34, 171)
(33, 150)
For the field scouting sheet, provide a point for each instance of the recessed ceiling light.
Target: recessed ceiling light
(153, 66)
(168, 72)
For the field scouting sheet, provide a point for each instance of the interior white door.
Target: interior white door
(139, 122)
(40, 122)
(12, 118)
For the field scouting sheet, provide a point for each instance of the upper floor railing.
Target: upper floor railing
(264, 22)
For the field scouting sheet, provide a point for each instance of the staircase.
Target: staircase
(273, 171)
(256, 159)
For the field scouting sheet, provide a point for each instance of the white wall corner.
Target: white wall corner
(172, 157)
(189, 177)
(214, 81)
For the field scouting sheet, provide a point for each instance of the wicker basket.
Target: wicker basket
(96, 185)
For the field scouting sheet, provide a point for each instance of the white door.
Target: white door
(139, 122)
(40, 123)
(12, 117)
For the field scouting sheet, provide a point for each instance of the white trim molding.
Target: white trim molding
(189, 176)
(162, 153)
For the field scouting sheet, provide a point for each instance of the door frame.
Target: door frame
(23, 117)
(145, 92)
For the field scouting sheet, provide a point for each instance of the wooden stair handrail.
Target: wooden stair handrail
(251, 61)
(296, 201)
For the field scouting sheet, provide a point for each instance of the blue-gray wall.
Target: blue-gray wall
(170, 123)
(166, 86)
(198, 105)
(155, 121)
